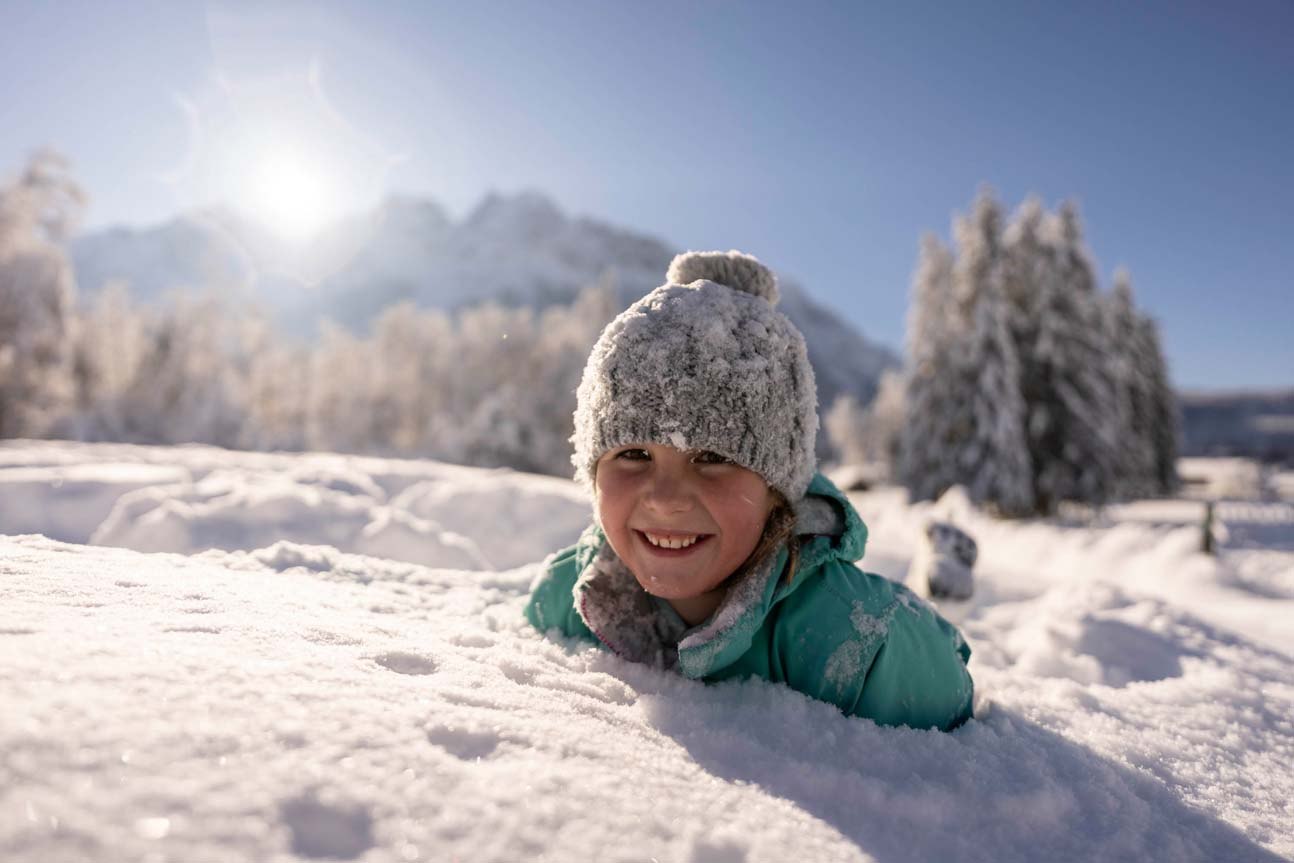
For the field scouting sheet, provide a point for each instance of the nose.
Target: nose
(669, 491)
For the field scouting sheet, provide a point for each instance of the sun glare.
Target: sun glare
(289, 195)
(272, 149)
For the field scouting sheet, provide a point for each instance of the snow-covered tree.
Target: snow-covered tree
(1072, 431)
(412, 356)
(490, 389)
(37, 210)
(1128, 368)
(1025, 384)
(869, 435)
(567, 333)
(884, 418)
(492, 386)
(992, 458)
(111, 338)
(184, 389)
(932, 428)
(272, 387)
(340, 403)
(1165, 419)
(844, 424)
(1029, 273)
(519, 371)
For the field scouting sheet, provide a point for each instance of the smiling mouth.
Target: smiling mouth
(672, 542)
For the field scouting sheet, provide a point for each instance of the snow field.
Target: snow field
(298, 702)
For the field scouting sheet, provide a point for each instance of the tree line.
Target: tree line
(1024, 383)
(489, 385)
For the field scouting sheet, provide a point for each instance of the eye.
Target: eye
(633, 454)
(706, 456)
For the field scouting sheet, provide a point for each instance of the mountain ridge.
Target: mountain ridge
(517, 249)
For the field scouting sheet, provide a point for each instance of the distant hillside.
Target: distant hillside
(1254, 424)
(514, 249)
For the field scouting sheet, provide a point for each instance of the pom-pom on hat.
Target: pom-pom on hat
(704, 362)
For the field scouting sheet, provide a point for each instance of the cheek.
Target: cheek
(611, 510)
(752, 529)
(745, 511)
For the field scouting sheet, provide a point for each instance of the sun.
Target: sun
(289, 193)
(273, 150)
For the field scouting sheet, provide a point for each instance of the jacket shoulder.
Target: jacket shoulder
(874, 649)
(552, 599)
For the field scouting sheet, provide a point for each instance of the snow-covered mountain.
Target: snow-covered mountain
(516, 249)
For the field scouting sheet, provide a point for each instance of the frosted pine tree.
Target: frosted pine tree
(110, 342)
(993, 458)
(566, 335)
(883, 420)
(341, 404)
(185, 387)
(1162, 408)
(844, 423)
(1027, 265)
(413, 356)
(273, 387)
(1129, 378)
(1071, 431)
(932, 430)
(37, 211)
(1028, 274)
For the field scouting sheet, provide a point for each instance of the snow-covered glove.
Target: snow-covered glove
(942, 567)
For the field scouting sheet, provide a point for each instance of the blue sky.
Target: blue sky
(824, 138)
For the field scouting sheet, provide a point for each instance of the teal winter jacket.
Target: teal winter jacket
(856, 640)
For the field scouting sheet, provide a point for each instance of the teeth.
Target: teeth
(671, 541)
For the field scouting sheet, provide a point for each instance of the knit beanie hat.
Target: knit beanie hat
(704, 362)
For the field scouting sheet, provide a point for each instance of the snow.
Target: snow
(189, 499)
(239, 696)
(1221, 477)
(68, 502)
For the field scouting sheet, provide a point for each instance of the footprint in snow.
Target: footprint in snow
(711, 851)
(463, 743)
(402, 662)
(331, 829)
(516, 673)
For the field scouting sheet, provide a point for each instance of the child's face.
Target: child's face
(681, 521)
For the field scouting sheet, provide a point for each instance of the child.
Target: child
(717, 550)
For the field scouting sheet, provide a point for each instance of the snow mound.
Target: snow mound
(67, 502)
(344, 478)
(1095, 634)
(186, 500)
(553, 511)
(236, 510)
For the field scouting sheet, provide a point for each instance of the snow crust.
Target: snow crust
(297, 700)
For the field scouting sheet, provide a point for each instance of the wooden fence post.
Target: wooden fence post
(1206, 541)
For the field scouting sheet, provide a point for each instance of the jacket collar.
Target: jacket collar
(633, 625)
